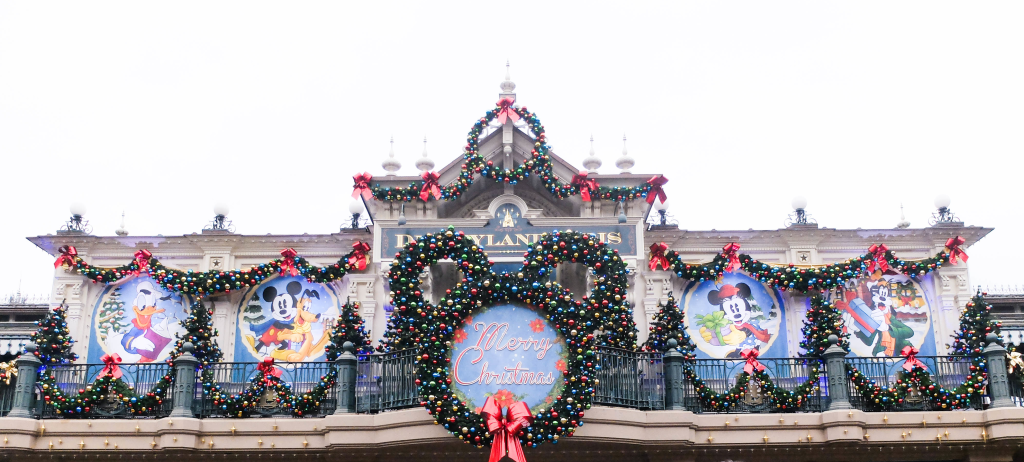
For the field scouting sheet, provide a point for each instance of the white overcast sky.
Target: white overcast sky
(161, 109)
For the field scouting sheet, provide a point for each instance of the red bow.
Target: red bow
(288, 262)
(586, 186)
(430, 186)
(506, 429)
(751, 354)
(362, 186)
(142, 258)
(878, 260)
(658, 256)
(505, 110)
(67, 255)
(656, 191)
(358, 258)
(731, 252)
(111, 368)
(955, 252)
(268, 369)
(910, 353)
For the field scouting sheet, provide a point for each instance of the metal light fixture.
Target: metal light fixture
(942, 213)
(220, 219)
(799, 215)
(401, 217)
(355, 208)
(622, 212)
(662, 208)
(76, 223)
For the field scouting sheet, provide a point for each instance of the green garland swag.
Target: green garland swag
(781, 399)
(215, 281)
(247, 402)
(798, 278)
(878, 398)
(430, 328)
(538, 164)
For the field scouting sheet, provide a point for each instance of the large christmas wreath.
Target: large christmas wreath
(430, 328)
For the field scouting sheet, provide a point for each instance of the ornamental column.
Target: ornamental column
(835, 367)
(24, 389)
(998, 382)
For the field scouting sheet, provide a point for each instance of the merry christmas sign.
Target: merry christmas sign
(509, 352)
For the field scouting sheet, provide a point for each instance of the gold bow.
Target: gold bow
(1014, 362)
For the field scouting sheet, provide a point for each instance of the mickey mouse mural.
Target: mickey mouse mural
(737, 313)
(286, 318)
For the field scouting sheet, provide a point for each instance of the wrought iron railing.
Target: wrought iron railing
(236, 378)
(629, 379)
(142, 378)
(946, 371)
(386, 381)
(7, 395)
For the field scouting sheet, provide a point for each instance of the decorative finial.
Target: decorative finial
(391, 165)
(903, 224)
(424, 163)
(121, 231)
(625, 162)
(508, 87)
(591, 162)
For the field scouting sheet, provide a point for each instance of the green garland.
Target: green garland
(878, 398)
(215, 281)
(247, 402)
(803, 279)
(783, 400)
(539, 164)
(429, 328)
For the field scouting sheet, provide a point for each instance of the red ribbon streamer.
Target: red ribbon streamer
(268, 369)
(751, 354)
(362, 185)
(506, 429)
(955, 252)
(430, 186)
(910, 353)
(358, 258)
(656, 189)
(505, 110)
(658, 256)
(142, 258)
(878, 260)
(731, 252)
(67, 255)
(585, 185)
(288, 262)
(111, 368)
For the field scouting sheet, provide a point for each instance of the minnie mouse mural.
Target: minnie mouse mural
(732, 315)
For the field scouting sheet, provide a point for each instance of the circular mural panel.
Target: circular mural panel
(286, 318)
(883, 314)
(509, 352)
(138, 320)
(726, 317)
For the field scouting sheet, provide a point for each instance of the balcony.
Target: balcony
(632, 415)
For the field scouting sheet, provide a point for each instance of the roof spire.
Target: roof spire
(903, 220)
(508, 87)
(121, 231)
(591, 162)
(625, 162)
(424, 163)
(391, 165)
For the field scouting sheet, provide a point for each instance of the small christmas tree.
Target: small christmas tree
(349, 328)
(253, 313)
(823, 319)
(975, 324)
(199, 330)
(669, 323)
(53, 339)
(110, 317)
